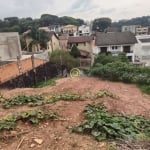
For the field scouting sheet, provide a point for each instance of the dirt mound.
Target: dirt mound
(54, 135)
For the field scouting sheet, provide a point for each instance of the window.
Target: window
(114, 47)
(76, 44)
(84, 43)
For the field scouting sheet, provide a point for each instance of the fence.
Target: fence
(30, 78)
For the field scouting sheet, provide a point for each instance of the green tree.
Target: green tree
(63, 58)
(101, 24)
(75, 51)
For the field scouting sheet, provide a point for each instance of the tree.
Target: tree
(75, 51)
(101, 24)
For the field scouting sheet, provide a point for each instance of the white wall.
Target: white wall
(142, 50)
(10, 46)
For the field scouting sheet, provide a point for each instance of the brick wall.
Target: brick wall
(9, 71)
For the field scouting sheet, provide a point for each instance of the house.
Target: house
(142, 53)
(70, 30)
(142, 30)
(53, 43)
(84, 30)
(130, 28)
(115, 43)
(85, 45)
(9, 46)
(112, 29)
(63, 41)
(55, 28)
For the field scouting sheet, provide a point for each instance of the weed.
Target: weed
(103, 125)
(32, 100)
(50, 82)
(31, 116)
(103, 93)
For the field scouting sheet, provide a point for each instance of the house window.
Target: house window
(114, 47)
(76, 44)
(84, 43)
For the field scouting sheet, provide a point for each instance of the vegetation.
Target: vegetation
(50, 82)
(103, 125)
(103, 93)
(101, 24)
(144, 21)
(31, 116)
(66, 97)
(15, 24)
(63, 58)
(120, 70)
(75, 51)
(31, 100)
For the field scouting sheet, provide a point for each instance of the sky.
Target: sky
(84, 9)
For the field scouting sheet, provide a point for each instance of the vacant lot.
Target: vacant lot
(54, 134)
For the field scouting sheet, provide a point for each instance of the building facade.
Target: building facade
(10, 47)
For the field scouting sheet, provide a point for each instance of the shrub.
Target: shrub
(75, 51)
(61, 57)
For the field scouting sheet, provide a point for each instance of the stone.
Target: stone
(32, 145)
(38, 141)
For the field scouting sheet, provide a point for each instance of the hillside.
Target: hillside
(54, 134)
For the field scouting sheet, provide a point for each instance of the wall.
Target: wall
(53, 44)
(142, 50)
(10, 70)
(9, 46)
(30, 78)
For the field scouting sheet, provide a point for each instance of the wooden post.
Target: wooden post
(34, 70)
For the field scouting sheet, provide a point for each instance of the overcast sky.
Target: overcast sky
(85, 9)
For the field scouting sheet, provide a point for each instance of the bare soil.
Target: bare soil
(55, 135)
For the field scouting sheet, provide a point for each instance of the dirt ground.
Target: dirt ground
(55, 135)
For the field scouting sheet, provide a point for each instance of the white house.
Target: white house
(116, 42)
(9, 46)
(142, 51)
(130, 28)
(84, 30)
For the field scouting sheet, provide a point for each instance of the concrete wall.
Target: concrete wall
(53, 44)
(10, 46)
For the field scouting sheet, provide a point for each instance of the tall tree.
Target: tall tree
(101, 24)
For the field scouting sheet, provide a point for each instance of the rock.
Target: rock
(38, 141)
(32, 145)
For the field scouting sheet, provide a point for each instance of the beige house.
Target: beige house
(53, 43)
(9, 46)
(70, 29)
(85, 46)
(63, 41)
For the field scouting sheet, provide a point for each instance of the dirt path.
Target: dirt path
(55, 134)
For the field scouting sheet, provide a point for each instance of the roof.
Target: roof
(63, 37)
(147, 40)
(116, 38)
(80, 39)
(53, 33)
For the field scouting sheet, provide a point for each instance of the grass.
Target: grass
(145, 88)
(50, 82)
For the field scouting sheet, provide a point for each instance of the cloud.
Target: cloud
(86, 9)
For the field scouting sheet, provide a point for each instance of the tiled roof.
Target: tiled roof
(80, 39)
(117, 38)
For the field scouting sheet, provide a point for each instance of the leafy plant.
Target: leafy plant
(31, 116)
(102, 124)
(31, 100)
(66, 97)
(103, 93)
(50, 82)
